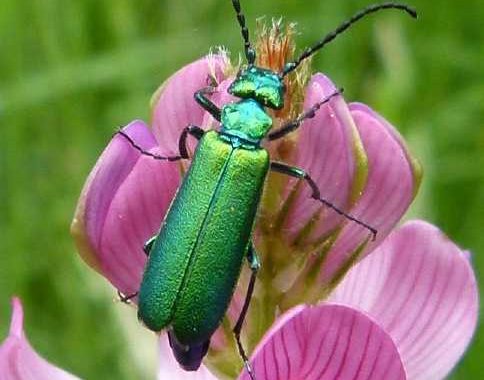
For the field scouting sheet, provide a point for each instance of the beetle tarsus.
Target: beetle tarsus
(145, 152)
(126, 298)
(191, 129)
(247, 365)
(242, 353)
(148, 245)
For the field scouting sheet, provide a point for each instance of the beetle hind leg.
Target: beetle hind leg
(149, 244)
(254, 264)
(188, 356)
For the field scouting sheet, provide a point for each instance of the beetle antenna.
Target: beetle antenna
(290, 66)
(249, 50)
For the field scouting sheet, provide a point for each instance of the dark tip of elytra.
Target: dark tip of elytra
(188, 357)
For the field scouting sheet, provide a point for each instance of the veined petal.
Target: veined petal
(326, 342)
(170, 370)
(361, 166)
(173, 104)
(420, 287)
(19, 361)
(393, 180)
(328, 148)
(122, 204)
(362, 110)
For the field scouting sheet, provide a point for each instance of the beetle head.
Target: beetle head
(263, 85)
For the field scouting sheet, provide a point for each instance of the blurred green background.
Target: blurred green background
(72, 71)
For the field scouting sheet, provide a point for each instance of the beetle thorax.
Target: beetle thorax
(246, 118)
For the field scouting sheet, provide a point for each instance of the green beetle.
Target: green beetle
(195, 260)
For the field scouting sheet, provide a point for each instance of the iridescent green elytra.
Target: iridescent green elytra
(195, 260)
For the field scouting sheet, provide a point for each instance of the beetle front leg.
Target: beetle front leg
(254, 264)
(206, 103)
(191, 129)
(300, 173)
(296, 123)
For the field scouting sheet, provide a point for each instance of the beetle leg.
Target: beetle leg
(206, 103)
(254, 264)
(145, 152)
(147, 249)
(149, 244)
(253, 259)
(193, 130)
(296, 123)
(126, 298)
(299, 173)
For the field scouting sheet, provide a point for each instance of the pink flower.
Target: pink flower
(18, 360)
(406, 311)
(357, 159)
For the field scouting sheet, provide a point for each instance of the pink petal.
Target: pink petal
(18, 360)
(390, 188)
(175, 106)
(421, 289)
(325, 151)
(220, 97)
(122, 205)
(360, 164)
(326, 342)
(170, 370)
